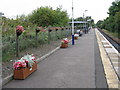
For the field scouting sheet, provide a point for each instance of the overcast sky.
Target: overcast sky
(96, 8)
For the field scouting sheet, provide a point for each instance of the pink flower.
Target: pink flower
(20, 28)
(33, 58)
(19, 64)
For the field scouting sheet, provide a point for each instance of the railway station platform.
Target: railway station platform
(83, 65)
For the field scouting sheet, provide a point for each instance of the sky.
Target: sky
(97, 9)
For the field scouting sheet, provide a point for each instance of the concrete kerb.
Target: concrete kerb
(7, 79)
(10, 77)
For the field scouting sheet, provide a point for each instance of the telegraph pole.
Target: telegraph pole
(72, 25)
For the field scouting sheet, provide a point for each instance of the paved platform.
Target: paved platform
(78, 66)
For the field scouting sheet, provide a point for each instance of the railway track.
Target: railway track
(112, 40)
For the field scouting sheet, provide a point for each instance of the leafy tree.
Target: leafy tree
(117, 22)
(114, 8)
(45, 16)
(112, 23)
(99, 23)
(79, 19)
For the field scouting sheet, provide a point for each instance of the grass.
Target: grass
(112, 34)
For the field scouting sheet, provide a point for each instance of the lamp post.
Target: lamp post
(85, 20)
(72, 25)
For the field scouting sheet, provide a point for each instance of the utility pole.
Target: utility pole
(72, 25)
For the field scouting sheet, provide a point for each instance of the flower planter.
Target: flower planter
(24, 72)
(75, 38)
(64, 45)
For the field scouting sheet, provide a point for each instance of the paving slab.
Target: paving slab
(109, 50)
(107, 46)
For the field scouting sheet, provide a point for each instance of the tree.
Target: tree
(117, 22)
(99, 23)
(45, 16)
(112, 23)
(79, 19)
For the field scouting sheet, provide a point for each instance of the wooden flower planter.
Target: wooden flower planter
(75, 38)
(64, 45)
(24, 72)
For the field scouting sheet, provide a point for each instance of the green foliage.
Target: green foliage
(99, 23)
(112, 23)
(45, 16)
(117, 22)
(27, 40)
(114, 8)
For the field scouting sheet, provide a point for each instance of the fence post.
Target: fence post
(49, 37)
(36, 39)
(56, 33)
(17, 46)
(66, 32)
(36, 36)
(62, 32)
(19, 30)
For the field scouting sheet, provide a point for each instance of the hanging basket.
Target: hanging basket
(24, 72)
(18, 32)
(37, 31)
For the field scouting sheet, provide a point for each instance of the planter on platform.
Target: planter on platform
(24, 72)
(75, 38)
(64, 45)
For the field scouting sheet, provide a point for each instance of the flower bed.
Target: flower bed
(64, 43)
(24, 67)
